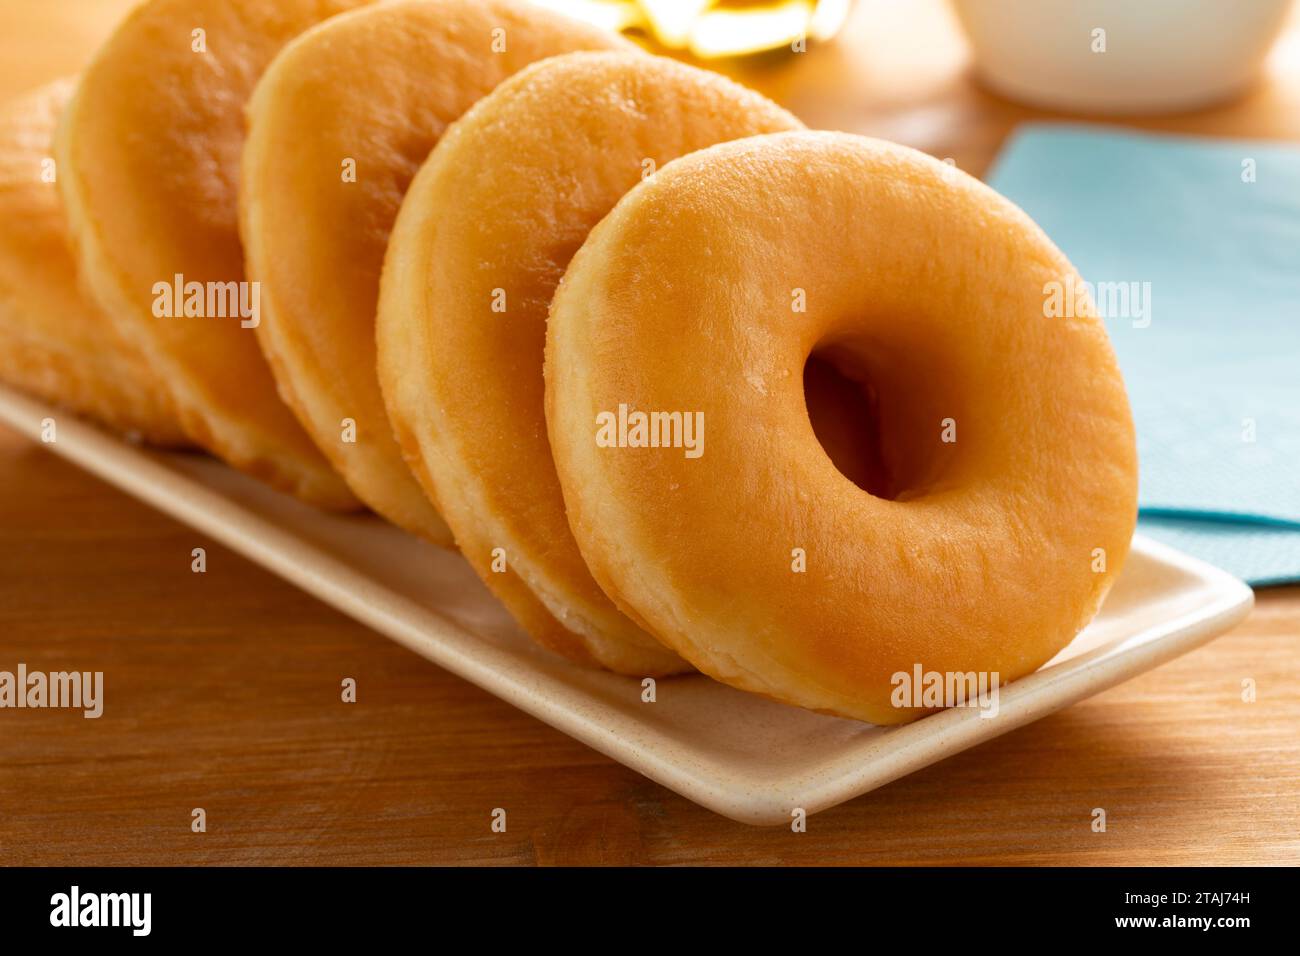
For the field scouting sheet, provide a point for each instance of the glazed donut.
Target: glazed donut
(1006, 452)
(148, 153)
(54, 342)
(482, 239)
(338, 125)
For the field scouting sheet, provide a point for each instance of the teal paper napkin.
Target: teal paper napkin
(1193, 248)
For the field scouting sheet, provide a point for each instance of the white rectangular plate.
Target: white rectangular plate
(743, 756)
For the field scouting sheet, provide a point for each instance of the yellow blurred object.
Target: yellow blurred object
(714, 28)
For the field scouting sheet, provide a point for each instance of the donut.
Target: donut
(54, 342)
(338, 126)
(148, 152)
(1005, 476)
(481, 241)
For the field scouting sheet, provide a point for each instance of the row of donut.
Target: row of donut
(497, 275)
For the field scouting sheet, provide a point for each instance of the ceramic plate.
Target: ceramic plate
(743, 756)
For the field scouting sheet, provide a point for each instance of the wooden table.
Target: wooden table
(223, 687)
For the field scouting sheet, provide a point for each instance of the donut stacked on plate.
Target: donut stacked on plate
(688, 385)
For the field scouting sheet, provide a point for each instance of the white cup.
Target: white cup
(1120, 56)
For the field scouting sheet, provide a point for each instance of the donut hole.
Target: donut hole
(870, 423)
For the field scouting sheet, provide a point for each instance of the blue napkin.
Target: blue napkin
(1193, 246)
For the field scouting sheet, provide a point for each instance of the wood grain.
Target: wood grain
(223, 689)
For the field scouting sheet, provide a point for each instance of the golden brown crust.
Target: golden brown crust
(54, 342)
(923, 282)
(338, 126)
(488, 227)
(148, 153)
